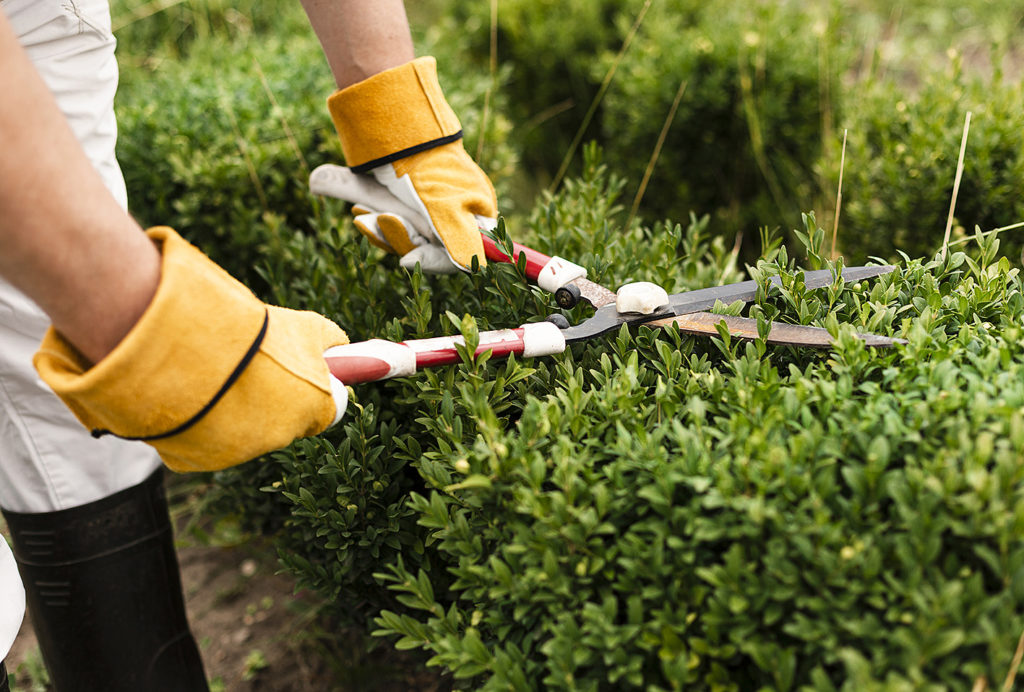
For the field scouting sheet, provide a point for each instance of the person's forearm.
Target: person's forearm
(361, 37)
(64, 240)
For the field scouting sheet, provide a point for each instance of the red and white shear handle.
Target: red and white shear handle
(550, 273)
(377, 359)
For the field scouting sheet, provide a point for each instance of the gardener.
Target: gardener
(152, 342)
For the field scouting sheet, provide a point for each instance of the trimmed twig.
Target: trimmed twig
(968, 239)
(649, 171)
(839, 199)
(1014, 665)
(605, 83)
(956, 184)
(733, 254)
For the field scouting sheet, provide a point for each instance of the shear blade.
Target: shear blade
(705, 298)
(706, 324)
(607, 319)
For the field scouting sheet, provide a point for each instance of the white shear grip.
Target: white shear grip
(542, 339)
(558, 272)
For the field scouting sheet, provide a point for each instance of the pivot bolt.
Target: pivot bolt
(567, 296)
(642, 297)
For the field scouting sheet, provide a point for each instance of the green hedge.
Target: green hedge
(663, 516)
(750, 125)
(766, 86)
(149, 33)
(654, 511)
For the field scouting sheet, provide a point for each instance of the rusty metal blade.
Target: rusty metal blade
(607, 319)
(704, 298)
(595, 294)
(704, 324)
(701, 299)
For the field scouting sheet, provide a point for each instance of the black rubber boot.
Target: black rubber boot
(104, 594)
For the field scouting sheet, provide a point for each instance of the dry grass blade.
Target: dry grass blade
(956, 184)
(1014, 665)
(839, 199)
(757, 144)
(284, 122)
(243, 149)
(656, 153)
(605, 83)
(734, 255)
(546, 114)
(968, 239)
(485, 116)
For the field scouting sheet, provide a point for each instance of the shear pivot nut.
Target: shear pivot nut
(642, 296)
(567, 296)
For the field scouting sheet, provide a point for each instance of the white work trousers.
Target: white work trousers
(48, 460)
(12, 599)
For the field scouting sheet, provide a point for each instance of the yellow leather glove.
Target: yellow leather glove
(210, 376)
(416, 190)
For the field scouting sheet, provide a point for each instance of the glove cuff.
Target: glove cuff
(392, 115)
(194, 296)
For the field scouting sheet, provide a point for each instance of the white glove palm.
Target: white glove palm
(390, 214)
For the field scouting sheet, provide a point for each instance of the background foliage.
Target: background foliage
(908, 145)
(647, 510)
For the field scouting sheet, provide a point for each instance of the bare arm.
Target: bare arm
(361, 37)
(64, 241)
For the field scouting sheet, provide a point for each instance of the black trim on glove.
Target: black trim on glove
(419, 148)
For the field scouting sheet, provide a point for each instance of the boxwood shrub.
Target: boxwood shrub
(656, 511)
(758, 102)
(668, 514)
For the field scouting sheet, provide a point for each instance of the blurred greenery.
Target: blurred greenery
(770, 88)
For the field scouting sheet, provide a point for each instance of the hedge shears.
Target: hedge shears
(640, 303)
